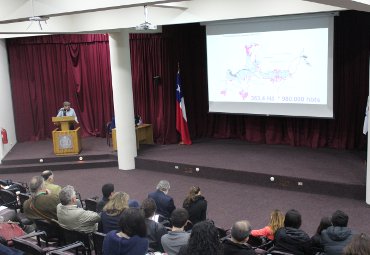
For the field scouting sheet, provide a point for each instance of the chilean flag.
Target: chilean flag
(181, 120)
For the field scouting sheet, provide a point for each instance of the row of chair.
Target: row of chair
(54, 233)
(27, 244)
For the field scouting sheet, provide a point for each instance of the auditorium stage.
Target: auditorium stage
(323, 171)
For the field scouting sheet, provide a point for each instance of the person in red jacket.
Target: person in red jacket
(276, 222)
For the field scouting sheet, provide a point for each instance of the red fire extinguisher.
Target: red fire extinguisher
(4, 136)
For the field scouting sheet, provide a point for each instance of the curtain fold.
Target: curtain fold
(46, 71)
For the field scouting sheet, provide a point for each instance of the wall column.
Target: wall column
(6, 109)
(123, 99)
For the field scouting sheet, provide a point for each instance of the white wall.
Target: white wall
(6, 108)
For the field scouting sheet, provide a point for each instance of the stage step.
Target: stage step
(354, 191)
(58, 163)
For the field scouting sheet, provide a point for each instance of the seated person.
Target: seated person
(203, 240)
(290, 238)
(276, 222)
(196, 205)
(72, 217)
(237, 244)
(130, 239)
(41, 204)
(108, 191)
(177, 237)
(359, 245)
(49, 182)
(336, 237)
(317, 246)
(113, 210)
(154, 230)
(164, 202)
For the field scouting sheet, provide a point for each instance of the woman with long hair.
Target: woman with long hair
(204, 240)
(130, 238)
(359, 245)
(112, 211)
(196, 205)
(316, 244)
(276, 222)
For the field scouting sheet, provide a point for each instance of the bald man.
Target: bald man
(237, 244)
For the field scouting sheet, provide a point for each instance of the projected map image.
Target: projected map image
(273, 67)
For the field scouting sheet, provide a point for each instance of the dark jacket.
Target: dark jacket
(197, 209)
(154, 232)
(231, 248)
(115, 245)
(292, 240)
(100, 205)
(334, 239)
(109, 222)
(316, 243)
(165, 204)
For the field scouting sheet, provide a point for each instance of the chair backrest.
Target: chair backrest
(108, 127)
(23, 197)
(28, 247)
(98, 239)
(27, 244)
(52, 229)
(9, 199)
(90, 204)
(78, 248)
(71, 236)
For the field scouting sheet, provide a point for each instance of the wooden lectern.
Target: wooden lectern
(66, 141)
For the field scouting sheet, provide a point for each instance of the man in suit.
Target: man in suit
(164, 202)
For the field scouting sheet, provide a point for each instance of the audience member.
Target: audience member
(177, 237)
(164, 202)
(290, 238)
(108, 191)
(276, 222)
(237, 244)
(72, 217)
(337, 236)
(196, 205)
(133, 203)
(359, 245)
(130, 240)
(154, 230)
(49, 182)
(204, 240)
(41, 205)
(316, 239)
(113, 210)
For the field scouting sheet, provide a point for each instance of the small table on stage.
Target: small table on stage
(144, 135)
(66, 141)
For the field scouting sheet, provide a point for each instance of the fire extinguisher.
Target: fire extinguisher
(4, 136)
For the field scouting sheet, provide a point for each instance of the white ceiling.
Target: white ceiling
(96, 16)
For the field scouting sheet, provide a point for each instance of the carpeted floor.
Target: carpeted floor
(227, 202)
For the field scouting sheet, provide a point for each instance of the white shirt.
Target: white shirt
(71, 112)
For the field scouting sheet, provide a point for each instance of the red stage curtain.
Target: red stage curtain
(158, 54)
(48, 70)
(153, 98)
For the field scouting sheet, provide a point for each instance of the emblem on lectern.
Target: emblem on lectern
(65, 142)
